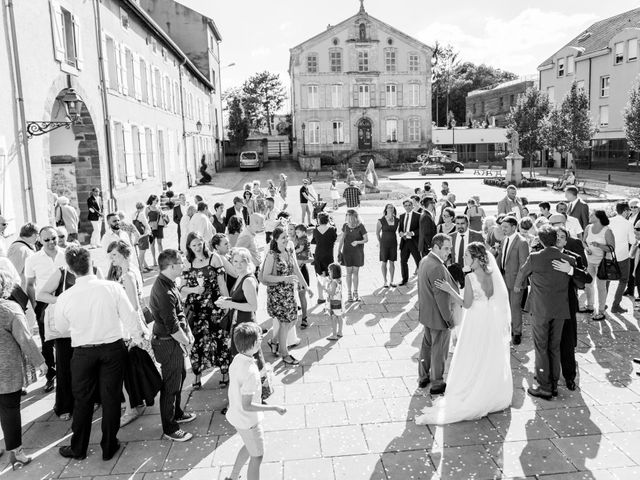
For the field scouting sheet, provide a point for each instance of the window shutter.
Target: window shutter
(373, 101)
(355, 95)
(124, 70)
(136, 76)
(403, 133)
(399, 94)
(322, 97)
(118, 66)
(78, 40)
(323, 133)
(57, 29)
(383, 98)
(154, 95)
(144, 162)
(128, 154)
(304, 96)
(105, 61)
(150, 91)
(347, 129)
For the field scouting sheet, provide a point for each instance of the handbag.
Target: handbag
(50, 330)
(138, 224)
(609, 268)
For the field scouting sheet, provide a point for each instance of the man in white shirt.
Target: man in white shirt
(270, 218)
(97, 314)
(200, 222)
(23, 248)
(37, 270)
(572, 223)
(623, 234)
(247, 239)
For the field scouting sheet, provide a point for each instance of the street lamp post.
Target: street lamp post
(72, 106)
(304, 146)
(453, 133)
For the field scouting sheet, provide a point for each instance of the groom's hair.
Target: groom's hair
(548, 235)
(439, 239)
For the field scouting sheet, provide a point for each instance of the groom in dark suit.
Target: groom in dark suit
(549, 307)
(409, 230)
(435, 313)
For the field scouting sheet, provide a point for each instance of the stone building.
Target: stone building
(361, 87)
(603, 61)
(145, 116)
(492, 105)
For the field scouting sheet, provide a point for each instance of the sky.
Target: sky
(513, 35)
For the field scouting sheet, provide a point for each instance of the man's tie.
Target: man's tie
(406, 223)
(460, 258)
(504, 252)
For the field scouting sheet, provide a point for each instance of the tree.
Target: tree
(554, 131)
(631, 118)
(445, 62)
(238, 125)
(527, 118)
(263, 95)
(575, 114)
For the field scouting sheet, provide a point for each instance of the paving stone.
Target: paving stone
(592, 452)
(395, 368)
(42, 434)
(344, 440)
(628, 443)
(196, 453)
(414, 465)
(466, 433)
(525, 425)
(569, 422)
(194, 474)
(397, 436)
(387, 387)
(350, 390)
(529, 458)
(308, 393)
(404, 408)
(469, 462)
(92, 466)
(218, 425)
(145, 456)
(332, 356)
(226, 449)
(356, 341)
(326, 414)
(292, 445)
(359, 467)
(350, 371)
(609, 394)
(145, 427)
(367, 411)
(268, 471)
(626, 473)
(626, 417)
(319, 373)
(45, 464)
(293, 419)
(311, 468)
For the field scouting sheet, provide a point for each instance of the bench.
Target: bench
(593, 187)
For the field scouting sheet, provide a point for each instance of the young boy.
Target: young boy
(245, 407)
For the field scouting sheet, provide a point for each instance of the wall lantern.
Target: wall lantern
(72, 106)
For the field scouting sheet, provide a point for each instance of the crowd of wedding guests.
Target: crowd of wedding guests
(102, 342)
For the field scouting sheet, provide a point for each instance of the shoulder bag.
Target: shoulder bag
(50, 330)
(609, 268)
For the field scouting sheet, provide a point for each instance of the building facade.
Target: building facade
(142, 101)
(361, 86)
(492, 105)
(603, 61)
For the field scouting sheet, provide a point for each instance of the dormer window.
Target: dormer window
(561, 67)
(362, 32)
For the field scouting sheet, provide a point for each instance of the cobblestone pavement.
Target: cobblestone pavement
(351, 406)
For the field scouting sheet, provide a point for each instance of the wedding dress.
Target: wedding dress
(479, 380)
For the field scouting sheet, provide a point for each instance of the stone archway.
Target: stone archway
(365, 141)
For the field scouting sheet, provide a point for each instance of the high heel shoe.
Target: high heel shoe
(17, 458)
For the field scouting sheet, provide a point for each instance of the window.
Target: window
(392, 130)
(414, 63)
(501, 103)
(144, 89)
(70, 42)
(168, 90)
(391, 97)
(390, 59)
(336, 96)
(338, 132)
(414, 129)
(137, 152)
(66, 37)
(213, 80)
(124, 19)
(414, 93)
(363, 96)
(151, 165)
(312, 63)
(580, 85)
(312, 96)
(362, 32)
(131, 81)
(632, 49)
(604, 86)
(176, 97)
(482, 107)
(335, 60)
(571, 65)
(618, 56)
(512, 100)
(313, 133)
(473, 108)
(561, 67)
(363, 61)
(604, 115)
(551, 94)
(112, 63)
(157, 87)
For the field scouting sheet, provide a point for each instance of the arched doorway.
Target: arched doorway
(74, 163)
(364, 134)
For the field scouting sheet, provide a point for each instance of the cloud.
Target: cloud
(261, 52)
(518, 44)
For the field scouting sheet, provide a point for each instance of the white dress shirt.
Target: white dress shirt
(110, 236)
(40, 266)
(94, 312)
(505, 252)
(573, 226)
(459, 238)
(200, 223)
(623, 234)
(270, 219)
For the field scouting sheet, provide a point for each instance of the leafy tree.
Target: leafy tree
(527, 118)
(262, 96)
(575, 114)
(554, 131)
(445, 63)
(238, 125)
(631, 118)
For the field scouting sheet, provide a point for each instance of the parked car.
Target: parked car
(444, 159)
(250, 159)
(431, 168)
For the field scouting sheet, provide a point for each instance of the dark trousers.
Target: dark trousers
(622, 284)
(97, 368)
(547, 334)
(631, 282)
(180, 236)
(568, 343)
(515, 304)
(10, 419)
(171, 359)
(47, 347)
(267, 237)
(64, 395)
(433, 355)
(409, 248)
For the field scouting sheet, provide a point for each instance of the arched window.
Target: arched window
(363, 32)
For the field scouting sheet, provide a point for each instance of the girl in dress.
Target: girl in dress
(334, 294)
(335, 195)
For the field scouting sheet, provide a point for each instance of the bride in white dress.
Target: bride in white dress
(479, 380)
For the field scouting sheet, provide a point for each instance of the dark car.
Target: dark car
(431, 168)
(450, 166)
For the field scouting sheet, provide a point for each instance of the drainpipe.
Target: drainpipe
(184, 129)
(21, 119)
(113, 204)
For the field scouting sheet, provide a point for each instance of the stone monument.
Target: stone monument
(514, 160)
(371, 178)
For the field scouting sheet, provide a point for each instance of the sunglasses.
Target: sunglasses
(637, 229)
(61, 236)
(4, 224)
(52, 239)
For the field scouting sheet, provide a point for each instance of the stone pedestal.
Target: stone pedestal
(514, 169)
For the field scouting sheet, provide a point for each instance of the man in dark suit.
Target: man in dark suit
(94, 205)
(435, 314)
(572, 244)
(449, 202)
(512, 254)
(577, 208)
(578, 277)
(180, 210)
(409, 230)
(428, 226)
(549, 307)
(238, 209)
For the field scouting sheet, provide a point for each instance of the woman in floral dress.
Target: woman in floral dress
(211, 343)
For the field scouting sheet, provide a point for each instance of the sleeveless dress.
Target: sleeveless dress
(353, 256)
(388, 240)
(210, 347)
(597, 254)
(479, 380)
(323, 255)
(237, 295)
(281, 300)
